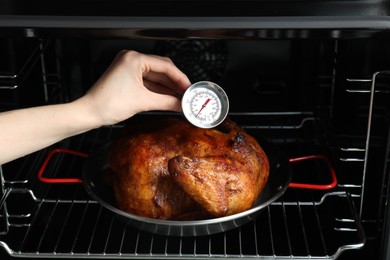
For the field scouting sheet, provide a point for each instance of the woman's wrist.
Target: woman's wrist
(85, 115)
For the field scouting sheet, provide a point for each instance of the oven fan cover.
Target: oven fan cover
(198, 59)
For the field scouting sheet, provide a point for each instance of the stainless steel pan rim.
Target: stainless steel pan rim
(279, 179)
(186, 222)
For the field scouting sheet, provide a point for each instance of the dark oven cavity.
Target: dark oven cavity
(307, 97)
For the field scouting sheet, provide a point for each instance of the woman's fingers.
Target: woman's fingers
(160, 68)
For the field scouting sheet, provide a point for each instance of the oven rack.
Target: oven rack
(14, 78)
(34, 67)
(83, 228)
(61, 220)
(374, 92)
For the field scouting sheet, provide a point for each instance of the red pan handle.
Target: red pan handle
(328, 186)
(59, 180)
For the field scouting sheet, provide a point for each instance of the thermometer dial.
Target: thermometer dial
(205, 104)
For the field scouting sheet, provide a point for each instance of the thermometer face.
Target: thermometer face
(205, 104)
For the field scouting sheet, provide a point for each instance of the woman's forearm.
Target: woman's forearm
(28, 130)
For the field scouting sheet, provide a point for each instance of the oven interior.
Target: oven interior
(307, 97)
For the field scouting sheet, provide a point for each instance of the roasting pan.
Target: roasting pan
(95, 184)
(94, 181)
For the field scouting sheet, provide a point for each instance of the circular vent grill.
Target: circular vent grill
(198, 59)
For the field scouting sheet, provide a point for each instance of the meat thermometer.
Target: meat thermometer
(205, 104)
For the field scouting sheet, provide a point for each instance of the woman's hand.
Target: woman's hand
(135, 83)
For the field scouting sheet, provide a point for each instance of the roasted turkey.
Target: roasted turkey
(170, 169)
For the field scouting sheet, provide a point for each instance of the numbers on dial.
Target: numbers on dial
(205, 106)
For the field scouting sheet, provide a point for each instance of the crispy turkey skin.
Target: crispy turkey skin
(171, 169)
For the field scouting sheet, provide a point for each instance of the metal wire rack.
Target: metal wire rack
(61, 220)
(14, 79)
(78, 228)
(357, 156)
